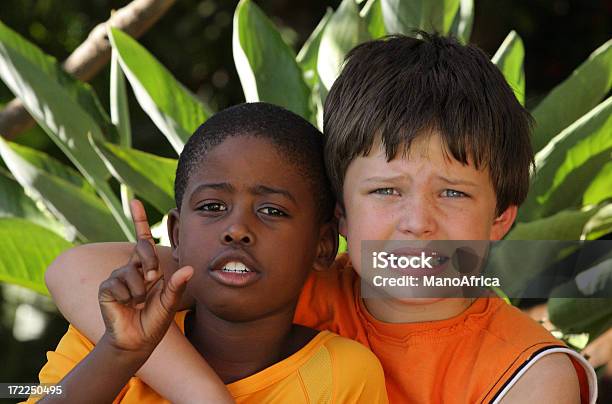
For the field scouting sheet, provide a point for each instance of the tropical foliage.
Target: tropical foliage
(47, 206)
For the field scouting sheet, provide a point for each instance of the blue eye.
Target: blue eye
(213, 207)
(385, 191)
(270, 211)
(451, 193)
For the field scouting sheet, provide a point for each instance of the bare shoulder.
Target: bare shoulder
(550, 379)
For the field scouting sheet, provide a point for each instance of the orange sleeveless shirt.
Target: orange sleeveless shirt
(471, 358)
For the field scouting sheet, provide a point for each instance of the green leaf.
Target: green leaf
(59, 105)
(345, 30)
(120, 116)
(600, 188)
(79, 209)
(15, 203)
(48, 67)
(565, 225)
(266, 65)
(372, 14)
(307, 59)
(173, 108)
(599, 224)
(464, 19)
(567, 165)
(120, 112)
(401, 16)
(574, 97)
(308, 55)
(509, 59)
(26, 251)
(148, 175)
(577, 315)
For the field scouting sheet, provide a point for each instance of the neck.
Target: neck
(236, 350)
(415, 310)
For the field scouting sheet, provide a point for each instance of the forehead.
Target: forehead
(248, 160)
(427, 157)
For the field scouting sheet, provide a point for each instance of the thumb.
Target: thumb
(173, 290)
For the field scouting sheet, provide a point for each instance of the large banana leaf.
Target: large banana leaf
(15, 203)
(345, 30)
(173, 108)
(307, 60)
(462, 24)
(62, 108)
(372, 14)
(401, 17)
(509, 59)
(77, 91)
(600, 188)
(567, 165)
(574, 97)
(308, 55)
(148, 175)
(564, 225)
(265, 63)
(120, 116)
(77, 207)
(120, 111)
(599, 224)
(588, 309)
(26, 251)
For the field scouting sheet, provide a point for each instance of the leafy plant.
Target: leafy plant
(571, 192)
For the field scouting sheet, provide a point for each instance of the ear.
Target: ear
(328, 246)
(174, 221)
(503, 222)
(340, 215)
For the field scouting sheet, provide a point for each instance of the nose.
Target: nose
(417, 219)
(237, 233)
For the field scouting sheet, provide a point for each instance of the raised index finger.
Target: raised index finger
(141, 224)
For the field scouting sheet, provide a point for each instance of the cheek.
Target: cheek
(468, 225)
(367, 221)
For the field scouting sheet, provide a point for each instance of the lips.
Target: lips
(439, 261)
(234, 269)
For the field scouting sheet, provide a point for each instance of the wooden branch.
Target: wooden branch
(91, 56)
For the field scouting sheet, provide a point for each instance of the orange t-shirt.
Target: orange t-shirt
(473, 357)
(328, 369)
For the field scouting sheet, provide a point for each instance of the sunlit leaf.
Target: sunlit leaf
(26, 251)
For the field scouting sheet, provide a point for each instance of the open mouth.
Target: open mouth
(428, 262)
(234, 271)
(236, 268)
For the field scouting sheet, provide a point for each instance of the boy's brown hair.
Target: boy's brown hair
(398, 88)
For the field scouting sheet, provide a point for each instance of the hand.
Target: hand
(137, 304)
(599, 351)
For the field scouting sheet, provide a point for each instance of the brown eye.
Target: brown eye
(212, 207)
(270, 211)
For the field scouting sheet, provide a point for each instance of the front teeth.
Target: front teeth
(236, 267)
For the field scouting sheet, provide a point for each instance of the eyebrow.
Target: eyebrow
(450, 181)
(221, 186)
(453, 181)
(266, 190)
(383, 179)
(257, 190)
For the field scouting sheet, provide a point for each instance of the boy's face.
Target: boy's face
(426, 195)
(248, 225)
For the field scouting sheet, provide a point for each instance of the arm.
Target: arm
(131, 335)
(551, 379)
(175, 369)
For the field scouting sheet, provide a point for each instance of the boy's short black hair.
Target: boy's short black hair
(398, 88)
(296, 139)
